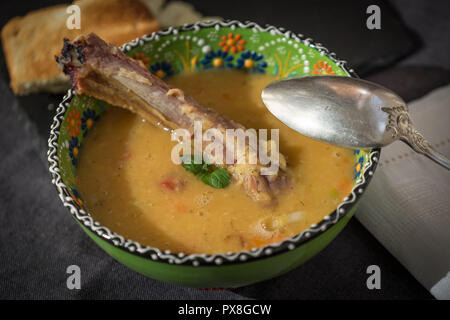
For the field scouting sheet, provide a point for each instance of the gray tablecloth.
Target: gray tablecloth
(39, 239)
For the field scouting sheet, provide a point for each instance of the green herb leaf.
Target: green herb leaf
(212, 175)
(190, 166)
(219, 178)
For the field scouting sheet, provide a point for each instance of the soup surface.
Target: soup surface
(130, 184)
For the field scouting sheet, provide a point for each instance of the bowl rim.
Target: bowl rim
(197, 259)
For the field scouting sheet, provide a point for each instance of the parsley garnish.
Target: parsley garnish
(212, 175)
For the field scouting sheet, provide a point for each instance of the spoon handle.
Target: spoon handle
(402, 128)
(419, 144)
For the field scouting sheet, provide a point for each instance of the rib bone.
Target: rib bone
(103, 71)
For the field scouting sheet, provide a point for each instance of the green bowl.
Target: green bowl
(194, 48)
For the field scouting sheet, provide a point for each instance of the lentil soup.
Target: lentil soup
(130, 184)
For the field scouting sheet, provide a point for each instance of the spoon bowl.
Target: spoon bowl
(347, 112)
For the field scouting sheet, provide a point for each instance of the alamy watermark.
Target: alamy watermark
(234, 146)
(373, 22)
(74, 280)
(74, 20)
(374, 280)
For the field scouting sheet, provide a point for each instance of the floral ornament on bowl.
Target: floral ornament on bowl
(88, 119)
(141, 57)
(76, 197)
(74, 150)
(162, 69)
(323, 68)
(73, 123)
(218, 59)
(233, 43)
(252, 61)
(358, 167)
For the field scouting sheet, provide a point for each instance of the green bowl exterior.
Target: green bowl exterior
(226, 276)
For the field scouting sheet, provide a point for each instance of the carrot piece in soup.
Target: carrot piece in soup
(127, 156)
(168, 184)
(345, 186)
(173, 184)
(180, 207)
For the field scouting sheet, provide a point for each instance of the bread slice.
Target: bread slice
(31, 42)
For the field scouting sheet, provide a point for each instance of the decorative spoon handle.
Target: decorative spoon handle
(401, 127)
(418, 143)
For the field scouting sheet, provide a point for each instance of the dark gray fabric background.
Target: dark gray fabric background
(39, 238)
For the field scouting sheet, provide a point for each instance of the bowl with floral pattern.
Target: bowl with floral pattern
(195, 48)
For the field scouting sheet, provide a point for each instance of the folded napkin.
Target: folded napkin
(407, 204)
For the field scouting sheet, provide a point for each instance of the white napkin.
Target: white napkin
(407, 204)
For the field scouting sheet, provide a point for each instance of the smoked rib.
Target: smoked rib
(103, 71)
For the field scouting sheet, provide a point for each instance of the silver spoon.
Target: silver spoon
(346, 112)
